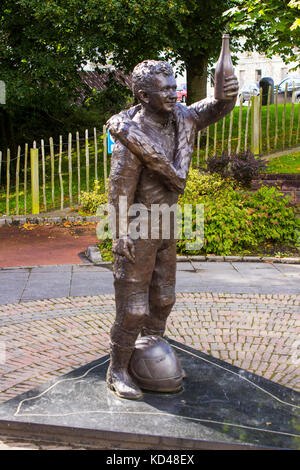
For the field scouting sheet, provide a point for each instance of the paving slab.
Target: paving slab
(13, 273)
(83, 268)
(254, 267)
(65, 268)
(185, 266)
(11, 285)
(92, 283)
(289, 269)
(46, 285)
(40, 282)
(213, 266)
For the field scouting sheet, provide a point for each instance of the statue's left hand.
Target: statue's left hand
(124, 246)
(231, 86)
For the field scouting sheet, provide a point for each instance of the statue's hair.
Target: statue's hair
(144, 73)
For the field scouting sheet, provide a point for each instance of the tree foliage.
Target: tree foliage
(44, 45)
(40, 52)
(269, 26)
(185, 32)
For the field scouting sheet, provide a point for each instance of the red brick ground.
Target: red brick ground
(45, 244)
(48, 338)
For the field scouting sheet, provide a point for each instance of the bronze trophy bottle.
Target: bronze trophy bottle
(224, 69)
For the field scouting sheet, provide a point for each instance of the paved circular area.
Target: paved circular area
(44, 339)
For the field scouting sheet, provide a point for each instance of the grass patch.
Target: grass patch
(288, 122)
(289, 163)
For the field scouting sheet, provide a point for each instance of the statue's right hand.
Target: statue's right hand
(177, 185)
(178, 182)
(124, 247)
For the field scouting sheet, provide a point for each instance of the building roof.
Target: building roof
(98, 80)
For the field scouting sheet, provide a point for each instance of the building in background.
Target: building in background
(252, 66)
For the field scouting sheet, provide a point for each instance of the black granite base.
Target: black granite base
(220, 407)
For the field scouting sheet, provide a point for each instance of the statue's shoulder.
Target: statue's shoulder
(116, 123)
(127, 114)
(133, 110)
(181, 108)
(184, 111)
(185, 114)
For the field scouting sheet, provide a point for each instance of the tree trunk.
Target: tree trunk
(196, 73)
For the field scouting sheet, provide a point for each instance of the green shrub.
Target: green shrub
(235, 219)
(105, 249)
(90, 201)
(205, 184)
(242, 166)
(272, 215)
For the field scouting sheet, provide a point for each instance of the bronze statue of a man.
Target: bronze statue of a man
(154, 143)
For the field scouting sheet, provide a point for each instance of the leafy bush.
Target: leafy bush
(90, 201)
(242, 166)
(272, 216)
(105, 247)
(219, 164)
(236, 219)
(201, 184)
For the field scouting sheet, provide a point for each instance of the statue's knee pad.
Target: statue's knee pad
(162, 296)
(135, 309)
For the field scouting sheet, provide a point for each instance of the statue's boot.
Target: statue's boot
(118, 378)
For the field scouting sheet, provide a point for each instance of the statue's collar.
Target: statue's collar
(185, 143)
(175, 116)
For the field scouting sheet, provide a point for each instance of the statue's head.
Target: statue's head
(154, 85)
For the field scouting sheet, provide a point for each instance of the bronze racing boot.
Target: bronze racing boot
(118, 378)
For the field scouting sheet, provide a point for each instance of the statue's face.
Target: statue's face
(162, 96)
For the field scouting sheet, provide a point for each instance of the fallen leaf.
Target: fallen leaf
(29, 226)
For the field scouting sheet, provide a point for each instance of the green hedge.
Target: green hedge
(235, 219)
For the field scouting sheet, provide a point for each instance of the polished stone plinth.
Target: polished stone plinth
(220, 407)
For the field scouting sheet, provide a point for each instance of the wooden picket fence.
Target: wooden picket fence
(263, 129)
(62, 169)
(49, 175)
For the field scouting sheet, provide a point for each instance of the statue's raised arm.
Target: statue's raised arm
(136, 136)
(209, 110)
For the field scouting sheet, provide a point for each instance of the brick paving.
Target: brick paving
(44, 339)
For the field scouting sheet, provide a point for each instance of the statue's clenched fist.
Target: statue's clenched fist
(124, 247)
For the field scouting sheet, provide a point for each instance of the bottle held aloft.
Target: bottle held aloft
(224, 69)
